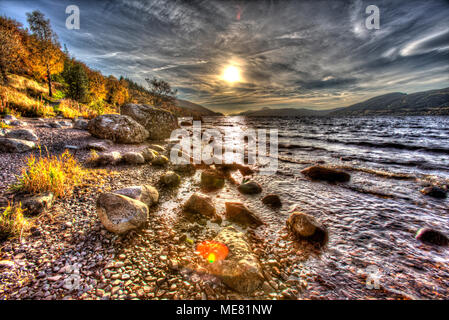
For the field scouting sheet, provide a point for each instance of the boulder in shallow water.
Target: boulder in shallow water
(238, 212)
(272, 200)
(212, 179)
(22, 134)
(118, 128)
(306, 227)
(119, 213)
(202, 204)
(431, 236)
(133, 158)
(240, 270)
(158, 122)
(145, 193)
(250, 187)
(434, 191)
(326, 174)
(16, 145)
(171, 179)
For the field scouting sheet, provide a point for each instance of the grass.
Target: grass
(12, 222)
(59, 175)
(4, 126)
(13, 100)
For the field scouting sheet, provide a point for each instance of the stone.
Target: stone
(158, 122)
(81, 124)
(202, 204)
(35, 204)
(212, 180)
(118, 128)
(328, 174)
(431, 236)
(238, 212)
(133, 158)
(120, 214)
(16, 145)
(99, 145)
(171, 179)
(250, 187)
(145, 193)
(160, 160)
(158, 148)
(55, 125)
(240, 270)
(105, 158)
(434, 191)
(306, 227)
(272, 200)
(22, 134)
(149, 154)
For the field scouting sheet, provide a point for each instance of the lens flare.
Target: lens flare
(212, 251)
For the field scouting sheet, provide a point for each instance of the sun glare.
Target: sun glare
(231, 74)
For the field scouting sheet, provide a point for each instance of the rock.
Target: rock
(434, 191)
(240, 270)
(22, 134)
(160, 160)
(9, 117)
(55, 125)
(327, 174)
(120, 214)
(17, 123)
(105, 158)
(16, 145)
(171, 179)
(250, 187)
(159, 123)
(145, 193)
(201, 204)
(187, 167)
(133, 158)
(272, 200)
(238, 212)
(149, 154)
(212, 180)
(100, 145)
(186, 123)
(431, 236)
(35, 204)
(81, 124)
(118, 128)
(158, 148)
(305, 226)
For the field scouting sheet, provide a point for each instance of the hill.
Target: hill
(196, 107)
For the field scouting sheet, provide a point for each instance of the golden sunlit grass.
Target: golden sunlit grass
(19, 102)
(231, 74)
(4, 126)
(58, 175)
(12, 222)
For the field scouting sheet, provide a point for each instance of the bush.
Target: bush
(12, 222)
(58, 175)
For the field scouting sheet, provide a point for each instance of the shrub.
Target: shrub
(12, 222)
(58, 175)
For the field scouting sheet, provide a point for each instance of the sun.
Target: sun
(231, 74)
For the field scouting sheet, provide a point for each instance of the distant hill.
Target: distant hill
(196, 107)
(285, 112)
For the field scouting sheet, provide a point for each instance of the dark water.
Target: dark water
(373, 219)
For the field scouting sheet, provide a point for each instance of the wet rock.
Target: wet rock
(149, 154)
(159, 123)
(100, 145)
(201, 204)
(434, 191)
(272, 200)
(35, 204)
(240, 270)
(327, 174)
(22, 134)
(145, 193)
(81, 124)
(133, 158)
(250, 187)
(118, 128)
(306, 227)
(106, 158)
(171, 179)
(212, 180)
(238, 212)
(160, 160)
(16, 145)
(431, 236)
(119, 213)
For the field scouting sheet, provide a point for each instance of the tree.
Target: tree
(46, 49)
(161, 92)
(78, 83)
(117, 93)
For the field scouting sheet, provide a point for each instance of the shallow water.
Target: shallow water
(372, 220)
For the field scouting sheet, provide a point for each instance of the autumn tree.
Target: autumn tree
(46, 52)
(117, 93)
(161, 92)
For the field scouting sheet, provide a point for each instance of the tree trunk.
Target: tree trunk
(50, 92)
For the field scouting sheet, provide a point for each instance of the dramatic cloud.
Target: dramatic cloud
(312, 54)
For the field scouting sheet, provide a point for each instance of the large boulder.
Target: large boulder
(22, 134)
(201, 204)
(304, 226)
(118, 128)
(16, 145)
(159, 123)
(145, 193)
(212, 179)
(240, 270)
(327, 174)
(431, 236)
(120, 214)
(238, 212)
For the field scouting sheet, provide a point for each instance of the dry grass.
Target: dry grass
(4, 125)
(58, 175)
(12, 222)
(15, 101)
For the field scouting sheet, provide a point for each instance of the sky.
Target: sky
(289, 54)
